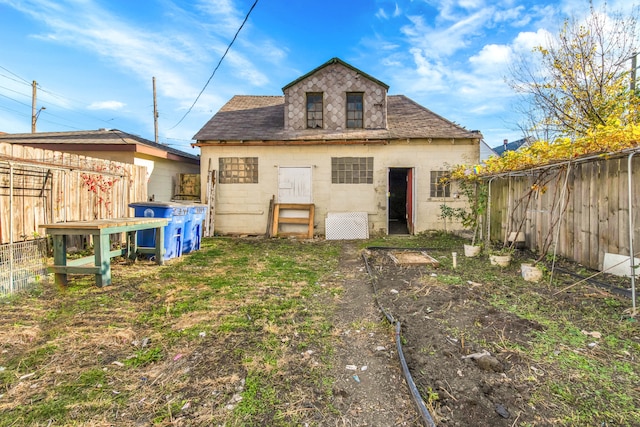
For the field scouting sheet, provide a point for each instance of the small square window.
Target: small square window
(352, 170)
(238, 170)
(440, 187)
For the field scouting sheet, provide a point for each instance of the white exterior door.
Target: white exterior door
(294, 184)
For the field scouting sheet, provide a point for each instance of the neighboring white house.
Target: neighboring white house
(486, 151)
(164, 164)
(338, 141)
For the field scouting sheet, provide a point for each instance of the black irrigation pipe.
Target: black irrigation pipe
(415, 394)
(613, 289)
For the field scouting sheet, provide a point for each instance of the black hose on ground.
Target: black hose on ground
(415, 393)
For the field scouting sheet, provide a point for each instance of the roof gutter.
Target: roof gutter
(298, 142)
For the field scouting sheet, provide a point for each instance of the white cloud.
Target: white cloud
(445, 40)
(381, 14)
(525, 41)
(397, 12)
(492, 58)
(106, 105)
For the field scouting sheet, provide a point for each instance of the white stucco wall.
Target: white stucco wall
(243, 208)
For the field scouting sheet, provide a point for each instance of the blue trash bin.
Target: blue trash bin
(193, 227)
(173, 231)
(198, 215)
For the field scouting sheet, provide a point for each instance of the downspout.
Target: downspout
(631, 232)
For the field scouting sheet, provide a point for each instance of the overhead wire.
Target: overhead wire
(217, 66)
(15, 75)
(56, 95)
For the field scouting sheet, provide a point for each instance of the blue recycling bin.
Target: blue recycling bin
(193, 228)
(173, 231)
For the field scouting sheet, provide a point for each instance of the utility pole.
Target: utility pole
(33, 106)
(155, 111)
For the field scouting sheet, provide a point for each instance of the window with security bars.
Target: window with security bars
(354, 110)
(314, 110)
(352, 170)
(440, 186)
(238, 170)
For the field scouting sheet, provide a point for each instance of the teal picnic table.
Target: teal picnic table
(100, 262)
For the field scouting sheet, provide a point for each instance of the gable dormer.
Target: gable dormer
(335, 97)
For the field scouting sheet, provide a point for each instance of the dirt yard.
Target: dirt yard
(471, 359)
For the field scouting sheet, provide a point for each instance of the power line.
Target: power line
(15, 100)
(217, 66)
(14, 74)
(14, 91)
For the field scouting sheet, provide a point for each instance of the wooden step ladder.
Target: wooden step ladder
(278, 219)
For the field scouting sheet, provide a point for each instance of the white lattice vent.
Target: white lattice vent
(346, 225)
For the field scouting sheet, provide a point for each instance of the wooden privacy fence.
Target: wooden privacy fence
(579, 210)
(42, 186)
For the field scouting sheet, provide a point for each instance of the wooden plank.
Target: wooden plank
(293, 220)
(73, 269)
(583, 244)
(270, 215)
(613, 199)
(596, 253)
(114, 225)
(623, 207)
(276, 216)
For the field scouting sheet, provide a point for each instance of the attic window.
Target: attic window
(354, 109)
(314, 110)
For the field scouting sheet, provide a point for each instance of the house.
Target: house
(164, 164)
(486, 151)
(512, 146)
(336, 140)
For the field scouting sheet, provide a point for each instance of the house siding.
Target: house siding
(243, 208)
(164, 176)
(335, 81)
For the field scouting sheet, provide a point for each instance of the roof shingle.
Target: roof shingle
(261, 118)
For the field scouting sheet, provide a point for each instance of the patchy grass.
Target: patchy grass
(213, 338)
(240, 333)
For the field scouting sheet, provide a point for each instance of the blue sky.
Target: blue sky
(94, 60)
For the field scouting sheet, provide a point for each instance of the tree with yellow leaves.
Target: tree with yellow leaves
(580, 79)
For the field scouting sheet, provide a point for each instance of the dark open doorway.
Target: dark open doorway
(400, 201)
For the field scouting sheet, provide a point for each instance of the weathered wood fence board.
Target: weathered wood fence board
(42, 186)
(590, 206)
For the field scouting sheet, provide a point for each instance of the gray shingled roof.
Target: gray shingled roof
(88, 137)
(261, 118)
